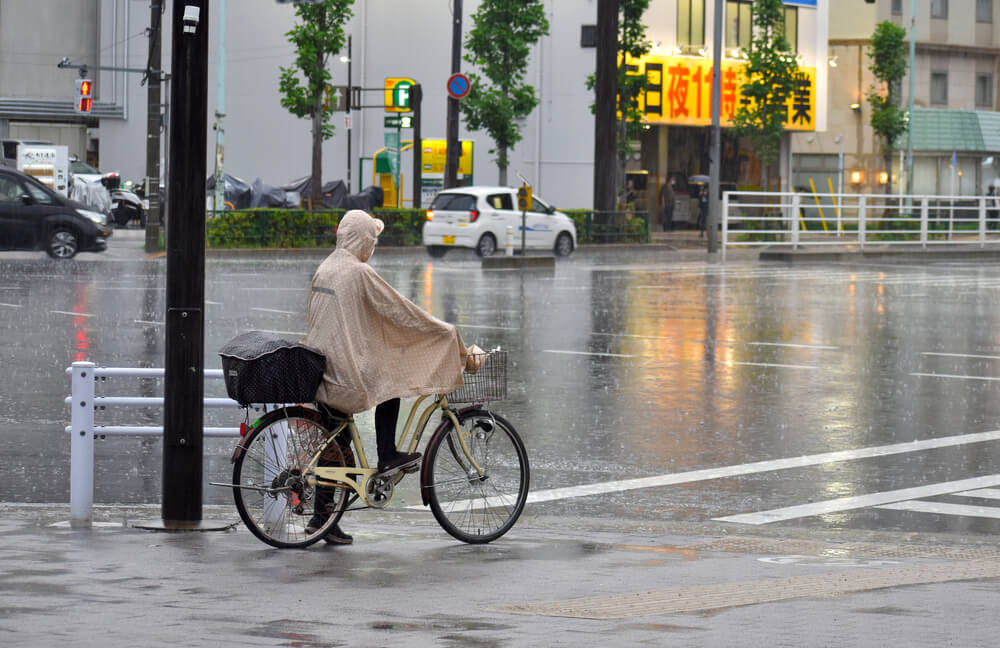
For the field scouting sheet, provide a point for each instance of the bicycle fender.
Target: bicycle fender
(425, 462)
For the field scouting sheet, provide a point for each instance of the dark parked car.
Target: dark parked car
(33, 217)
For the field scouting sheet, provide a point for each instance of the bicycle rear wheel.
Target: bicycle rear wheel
(271, 478)
(473, 507)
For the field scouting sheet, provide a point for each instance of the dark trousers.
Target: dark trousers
(386, 415)
(667, 218)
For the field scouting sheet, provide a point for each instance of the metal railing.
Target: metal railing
(84, 402)
(756, 218)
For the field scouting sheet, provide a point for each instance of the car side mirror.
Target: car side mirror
(27, 200)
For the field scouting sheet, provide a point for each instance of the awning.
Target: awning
(955, 131)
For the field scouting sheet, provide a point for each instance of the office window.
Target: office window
(939, 88)
(588, 35)
(690, 22)
(984, 11)
(984, 90)
(739, 17)
(792, 28)
(939, 8)
(897, 7)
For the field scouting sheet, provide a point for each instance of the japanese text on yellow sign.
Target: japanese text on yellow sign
(680, 92)
(434, 153)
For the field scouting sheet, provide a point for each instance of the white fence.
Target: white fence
(84, 402)
(756, 218)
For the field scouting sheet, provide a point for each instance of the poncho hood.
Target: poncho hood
(357, 233)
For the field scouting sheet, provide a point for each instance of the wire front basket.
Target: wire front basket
(487, 384)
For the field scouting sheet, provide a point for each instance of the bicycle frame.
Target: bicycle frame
(358, 478)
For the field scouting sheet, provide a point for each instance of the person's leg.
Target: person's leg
(386, 415)
(325, 494)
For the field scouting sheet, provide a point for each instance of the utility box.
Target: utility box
(47, 163)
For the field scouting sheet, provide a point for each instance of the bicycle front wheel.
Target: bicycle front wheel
(473, 506)
(271, 479)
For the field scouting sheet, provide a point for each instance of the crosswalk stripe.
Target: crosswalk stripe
(945, 508)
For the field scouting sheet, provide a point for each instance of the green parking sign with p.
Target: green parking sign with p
(397, 94)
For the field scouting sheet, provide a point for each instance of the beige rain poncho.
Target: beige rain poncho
(378, 344)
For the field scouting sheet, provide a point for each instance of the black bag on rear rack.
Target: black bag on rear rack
(264, 368)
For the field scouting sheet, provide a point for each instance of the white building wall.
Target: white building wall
(397, 38)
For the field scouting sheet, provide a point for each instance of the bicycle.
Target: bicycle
(296, 459)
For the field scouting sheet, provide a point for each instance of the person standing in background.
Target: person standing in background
(667, 205)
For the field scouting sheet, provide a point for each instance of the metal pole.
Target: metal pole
(714, 162)
(185, 295)
(452, 146)
(416, 97)
(153, 126)
(347, 118)
(81, 467)
(220, 113)
(909, 125)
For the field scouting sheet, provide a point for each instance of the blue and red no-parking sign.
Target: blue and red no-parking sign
(458, 86)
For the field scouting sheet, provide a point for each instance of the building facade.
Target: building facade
(394, 39)
(955, 134)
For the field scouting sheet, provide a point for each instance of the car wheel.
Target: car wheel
(436, 251)
(63, 244)
(564, 244)
(486, 246)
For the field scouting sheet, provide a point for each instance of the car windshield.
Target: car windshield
(540, 205)
(454, 202)
(76, 166)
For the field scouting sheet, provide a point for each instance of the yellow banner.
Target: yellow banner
(680, 92)
(434, 153)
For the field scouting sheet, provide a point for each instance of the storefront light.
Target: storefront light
(857, 177)
(883, 178)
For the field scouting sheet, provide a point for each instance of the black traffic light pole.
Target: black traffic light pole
(416, 97)
(184, 389)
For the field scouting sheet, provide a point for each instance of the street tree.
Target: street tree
(305, 87)
(632, 44)
(498, 46)
(770, 77)
(887, 53)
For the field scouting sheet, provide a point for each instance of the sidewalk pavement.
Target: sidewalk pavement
(550, 582)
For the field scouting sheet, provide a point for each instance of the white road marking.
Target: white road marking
(212, 303)
(492, 328)
(944, 508)
(589, 353)
(150, 322)
(275, 310)
(58, 312)
(12, 305)
(770, 364)
(860, 501)
(983, 493)
(762, 466)
(961, 355)
(936, 375)
(795, 346)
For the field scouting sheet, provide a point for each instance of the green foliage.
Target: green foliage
(498, 45)
(318, 36)
(771, 74)
(609, 227)
(888, 63)
(300, 228)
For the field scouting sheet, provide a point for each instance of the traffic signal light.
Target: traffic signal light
(84, 95)
(524, 198)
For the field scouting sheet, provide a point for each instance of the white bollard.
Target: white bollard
(81, 472)
(509, 245)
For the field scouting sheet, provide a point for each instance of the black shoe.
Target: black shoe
(399, 462)
(333, 535)
(337, 537)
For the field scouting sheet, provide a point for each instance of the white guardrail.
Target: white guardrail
(84, 403)
(791, 219)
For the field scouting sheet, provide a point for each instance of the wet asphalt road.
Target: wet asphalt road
(626, 363)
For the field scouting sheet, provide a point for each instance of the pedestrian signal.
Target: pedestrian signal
(524, 198)
(84, 95)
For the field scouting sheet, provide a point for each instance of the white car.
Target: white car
(478, 218)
